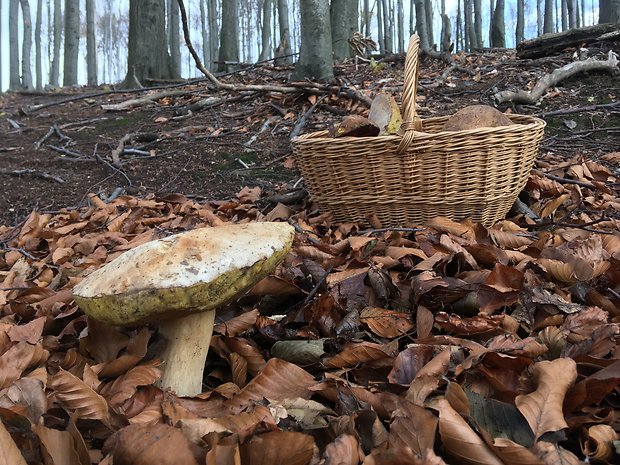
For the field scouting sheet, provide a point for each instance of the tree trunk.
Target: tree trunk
(478, 23)
(609, 11)
(428, 10)
(411, 17)
(421, 24)
(548, 18)
(147, 54)
(459, 27)
(498, 29)
(174, 42)
(343, 17)
(55, 68)
(213, 39)
(380, 27)
(72, 42)
(206, 50)
(470, 33)
(265, 36)
(284, 48)
(91, 43)
(15, 82)
(315, 56)
(539, 17)
(37, 45)
(367, 18)
(572, 17)
(26, 45)
(445, 34)
(520, 28)
(401, 26)
(564, 15)
(229, 37)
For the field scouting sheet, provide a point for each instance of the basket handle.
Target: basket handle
(411, 121)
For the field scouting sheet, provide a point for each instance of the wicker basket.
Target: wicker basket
(425, 173)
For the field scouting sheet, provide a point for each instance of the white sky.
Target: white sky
(192, 5)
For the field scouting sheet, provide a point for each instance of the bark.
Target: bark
(15, 81)
(343, 17)
(206, 49)
(315, 56)
(26, 46)
(411, 17)
(72, 42)
(428, 9)
(174, 41)
(401, 26)
(609, 11)
(445, 34)
(478, 23)
(265, 36)
(421, 24)
(37, 45)
(548, 18)
(367, 18)
(460, 43)
(491, 11)
(55, 68)
(147, 56)
(91, 43)
(498, 29)
(285, 41)
(572, 16)
(229, 36)
(380, 26)
(213, 39)
(520, 28)
(539, 17)
(470, 33)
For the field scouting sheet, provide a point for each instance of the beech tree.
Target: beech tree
(229, 36)
(315, 55)
(147, 54)
(284, 47)
(498, 28)
(265, 35)
(174, 41)
(26, 45)
(72, 42)
(609, 11)
(343, 17)
(15, 81)
(91, 44)
(37, 45)
(55, 66)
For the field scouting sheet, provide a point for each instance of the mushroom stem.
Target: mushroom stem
(184, 358)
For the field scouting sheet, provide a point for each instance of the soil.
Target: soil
(207, 159)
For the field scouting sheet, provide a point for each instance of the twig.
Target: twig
(521, 207)
(380, 230)
(116, 169)
(115, 194)
(568, 111)
(304, 118)
(242, 163)
(586, 185)
(127, 104)
(65, 151)
(116, 153)
(20, 250)
(263, 128)
(38, 174)
(316, 287)
(300, 230)
(288, 198)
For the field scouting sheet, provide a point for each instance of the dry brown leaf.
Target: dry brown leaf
(125, 386)
(543, 408)
(459, 440)
(512, 453)
(58, 445)
(554, 454)
(598, 444)
(254, 359)
(508, 239)
(77, 397)
(413, 427)
(9, 452)
(279, 380)
(402, 456)
(18, 358)
(344, 450)
(362, 352)
(409, 362)
(446, 225)
(239, 369)
(238, 324)
(150, 445)
(553, 205)
(386, 323)
(278, 447)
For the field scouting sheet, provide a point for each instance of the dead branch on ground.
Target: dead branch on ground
(556, 76)
(38, 174)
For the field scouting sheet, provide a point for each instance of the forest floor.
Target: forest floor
(383, 346)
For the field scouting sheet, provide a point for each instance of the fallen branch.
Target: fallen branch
(127, 104)
(304, 118)
(553, 78)
(586, 185)
(266, 125)
(38, 174)
(569, 111)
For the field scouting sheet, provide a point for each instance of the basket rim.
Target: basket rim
(524, 123)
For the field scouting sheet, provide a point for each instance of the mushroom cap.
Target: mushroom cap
(184, 273)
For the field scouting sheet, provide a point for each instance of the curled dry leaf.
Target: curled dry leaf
(10, 454)
(58, 445)
(543, 408)
(459, 440)
(554, 454)
(237, 325)
(386, 323)
(18, 358)
(362, 352)
(514, 454)
(412, 427)
(344, 450)
(598, 444)
(278, 447)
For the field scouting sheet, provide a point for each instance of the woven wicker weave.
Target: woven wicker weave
(425, 173)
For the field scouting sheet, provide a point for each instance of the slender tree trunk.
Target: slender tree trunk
(343, 17)
(411, 17)
(72, 42)
(55, 68)
(367, 18)
(421, 24)
(445, 33)
(460, 43)
(498, 29)
(572, 17)
(37, 45)
(315, 56)
(206, 55)
(26, 45)
(539, 17)
(284, 47)
(229, 36)
(491, 11)
(564, 10)
(609, 11)
(213, 39)
(428, 9)
(147, 53)
(91, 43)
(265, 51)
(470, 33)
(520, 28)
(389, 14)
(174, 42)
(478, 23)
(380, 27)
(15, 81)
(401, 26)
(577, 14)
(548, 18)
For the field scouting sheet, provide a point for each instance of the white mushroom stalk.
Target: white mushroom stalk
(178, 282)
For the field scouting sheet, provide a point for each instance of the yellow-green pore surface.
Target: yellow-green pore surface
(189, 272)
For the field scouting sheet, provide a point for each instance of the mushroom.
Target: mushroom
(179, 281)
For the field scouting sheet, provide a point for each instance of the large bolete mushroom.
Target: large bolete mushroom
(179, 281)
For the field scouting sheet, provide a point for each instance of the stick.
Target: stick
(304, 118)
(568, 111)
(127, 104)
(553, 78)
(116, 153)
(38, 174)
(587, 185)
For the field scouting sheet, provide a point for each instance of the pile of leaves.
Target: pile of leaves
(406, 345)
